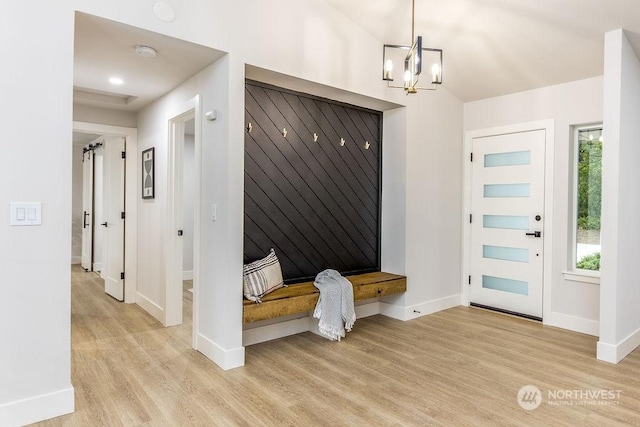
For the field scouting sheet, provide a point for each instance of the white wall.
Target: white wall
(434, 204)
(188, 200)
(36, 166)
(104, 116)
(219, 290)
(314, 43)
(620, 293)
(76, 205)
(574, 305)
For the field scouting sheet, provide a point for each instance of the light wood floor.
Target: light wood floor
(460, 367)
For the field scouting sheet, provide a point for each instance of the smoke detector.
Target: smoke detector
(145, 51)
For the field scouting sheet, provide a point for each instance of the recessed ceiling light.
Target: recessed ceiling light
(116, 80)
(146, 51)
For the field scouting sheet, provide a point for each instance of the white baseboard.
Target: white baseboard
(573, 323)
(614, 353)
(419, 310)
(297, 326)
(607, 352)
(369, 309)
(308, 323)
(393, 311)
(187, 275)
(76, 259)
(38, 408)
(225, 359)
(150, 307)
(275, 331)
(363, 310)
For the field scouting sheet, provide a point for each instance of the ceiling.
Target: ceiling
(496, 47)
(81, 138)
(105, 48)
(491, 47)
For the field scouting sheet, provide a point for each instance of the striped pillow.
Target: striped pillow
(261, 277)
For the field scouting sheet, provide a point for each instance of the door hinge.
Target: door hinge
(470, 218)
(122, 215)
(469, 279)
(472, 157)
(122, 276)
(124, 155)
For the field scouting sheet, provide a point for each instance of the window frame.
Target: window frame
(574, 273)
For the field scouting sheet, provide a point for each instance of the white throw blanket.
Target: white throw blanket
(335, 304)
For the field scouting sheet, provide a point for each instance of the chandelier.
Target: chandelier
(416, 59)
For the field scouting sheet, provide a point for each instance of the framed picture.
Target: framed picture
(148, 177)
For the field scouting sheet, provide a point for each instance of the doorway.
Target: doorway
(507, 239)
(103, 204)
(109, 205)
(183, 239)
(85, 188)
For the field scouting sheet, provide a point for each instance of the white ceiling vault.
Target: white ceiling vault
(496, 47)
(491, 47)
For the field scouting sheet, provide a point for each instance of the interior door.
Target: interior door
(507, 228)
(113, 215)
(87, 211)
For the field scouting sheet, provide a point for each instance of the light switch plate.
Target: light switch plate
(26, 213)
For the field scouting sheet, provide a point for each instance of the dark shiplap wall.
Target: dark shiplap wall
(316, 203)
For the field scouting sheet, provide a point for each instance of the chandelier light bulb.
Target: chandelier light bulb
(435, 73)
(388, 69)
(407, 76)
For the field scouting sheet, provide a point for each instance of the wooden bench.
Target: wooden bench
(302, 297)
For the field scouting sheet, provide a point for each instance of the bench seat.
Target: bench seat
(302, 297)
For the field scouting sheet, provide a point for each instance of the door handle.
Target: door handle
(104, 224)
(535, 234)
(85, 224)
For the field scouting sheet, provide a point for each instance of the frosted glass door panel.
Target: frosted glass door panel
(507, 190)
(507, 208)
(505, 254)
(516, 158)
(506, 222)
(506, 285)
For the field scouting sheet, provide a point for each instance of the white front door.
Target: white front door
(87, 210)
(113, 216)
(507, 228)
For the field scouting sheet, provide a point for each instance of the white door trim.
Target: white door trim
(86, 255)
(173, 285)
(131, 199)
(549, 127)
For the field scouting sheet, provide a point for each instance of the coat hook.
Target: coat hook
(315, 137)
(249, 127)
(366, 145)
(284, 132)
(341, 142)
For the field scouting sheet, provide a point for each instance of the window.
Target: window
(588, 181)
